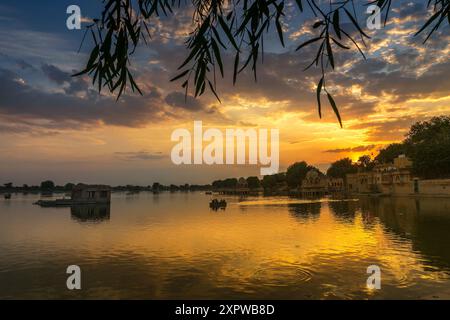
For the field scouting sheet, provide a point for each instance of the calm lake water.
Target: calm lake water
(173, 246)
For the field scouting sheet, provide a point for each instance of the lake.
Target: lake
(172, 245)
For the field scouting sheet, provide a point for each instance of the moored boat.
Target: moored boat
(216, 204)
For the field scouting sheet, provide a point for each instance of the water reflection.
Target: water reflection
(216, 209)
(90, 213)
(425, 222)
(344, 211)
(305, 212)
(170, 245)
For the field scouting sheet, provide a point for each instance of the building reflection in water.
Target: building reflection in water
(425, 222)
(305, 211)
(90, 213)
(344, 211)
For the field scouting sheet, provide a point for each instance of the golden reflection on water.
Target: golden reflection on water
(173, 246)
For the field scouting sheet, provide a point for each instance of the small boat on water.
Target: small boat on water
(216, 204)
(55, 203)
(7, 195)
(208, 192)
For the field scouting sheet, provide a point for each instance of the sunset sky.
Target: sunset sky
(53, 126)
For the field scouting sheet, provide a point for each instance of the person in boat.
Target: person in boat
(215, 203)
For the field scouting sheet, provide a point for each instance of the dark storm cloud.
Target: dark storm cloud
(55, 74)
(25, 102)
(71, 85)
(24, 65)
(21, 63)
(180, 100)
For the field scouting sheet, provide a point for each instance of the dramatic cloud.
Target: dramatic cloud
(55, 74)
(354, 149)
(21, 100)
(180, 100)
(140, 155)
(401, 81)
(389, 129)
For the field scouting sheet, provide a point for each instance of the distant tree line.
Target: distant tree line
(342, 167)
(46, 185)
(292, 178)
(50, 186)
(427, 145)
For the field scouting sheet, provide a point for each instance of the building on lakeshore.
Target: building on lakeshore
(360, 182)
(242, 186)
(395, 178)
(84, 193)
(336, 185)
(315, 184)
(387, 178)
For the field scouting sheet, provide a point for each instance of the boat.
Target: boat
(216, 204)
(55, 203)
(7, 195)
(208, 192)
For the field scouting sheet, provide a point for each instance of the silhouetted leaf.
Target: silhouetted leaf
(429, 21)
(213, 90)
(217, 55)
(330, 52)
(133, 83)
(280, 31)
(355, 23)
(318, 91)
(335, 109)
(119, 31)
(218, 37)
(191, 55)
(308, 42)
(317, 24)
(336, 25)
(340, 44)
(181, 75)
(227, 31)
